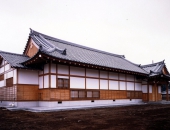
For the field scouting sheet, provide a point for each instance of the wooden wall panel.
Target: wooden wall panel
(144, 97)
(54, 94)
(27, 92)
(115, 94)
(8, 93)
(31, 49)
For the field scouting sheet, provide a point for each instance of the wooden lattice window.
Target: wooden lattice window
(9, 82)
(84, 94)
(74, 94)
(1, 77)
(95, 94)
(63, 83)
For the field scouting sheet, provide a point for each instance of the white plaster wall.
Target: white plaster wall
(92, 83)
(77, 82)
(63, 69)
(15, 76)
(130, 77)
(138, 86)
(53, 68)
(5, 76)
(113, 75)
(27, 77)
(103, 74)
(53, 81)
(130, 86)
(159, 89)
(46, 81)
(63, 77)
(122, 76)
(41, 82)
(46, 68)
(7, 67)
(144, 89)
(122, 86)
(92, 73)
(9, 74)
(2, 83)
(77, 71)
(113, 85)
(150, 88)
(2, 69)
(103, 84)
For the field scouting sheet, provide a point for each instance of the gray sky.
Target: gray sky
(138, 29)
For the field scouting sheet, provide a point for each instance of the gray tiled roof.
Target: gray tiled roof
(154, 69)
(74, 52)
(14, 60)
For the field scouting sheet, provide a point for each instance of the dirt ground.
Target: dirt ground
(139, 117)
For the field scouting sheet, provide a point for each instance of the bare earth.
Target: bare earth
(138, 117)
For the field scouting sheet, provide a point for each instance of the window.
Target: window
(1, 77)
(9, 82)
(63, 83)
(78, 94)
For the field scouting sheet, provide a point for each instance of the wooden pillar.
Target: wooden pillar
(167, 94)
(148, 91)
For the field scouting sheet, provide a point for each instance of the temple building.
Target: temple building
(53, 73)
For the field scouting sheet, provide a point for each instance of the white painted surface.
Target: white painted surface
(150, 88)
(159, 89)
(130, 77)
(41, 82)
(63, 77)
(2, 69)
(63, 69)
(9, 74)
(138, 86)
(130, 86)
(15, 76)
(122, 86)
(113, 85)
(122, 76)
(92, 83)
(103, 84)
(77, 71)
(27, 77)
(53, 68)
(7, 67)
(2, 83)
(77, 82)
(46, 68)
(113, 75)
(103, 74)
(92, 73)
(144, 89)
(46, 81)
(53, 81)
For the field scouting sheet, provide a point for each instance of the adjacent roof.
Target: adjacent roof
(154, 69)
(73, 52)
(15, 60)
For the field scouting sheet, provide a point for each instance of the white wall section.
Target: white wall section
(53, 81)
(103, 84)
(103, 74)
(46, 68)
(27, 77)
(77, 71)
(150, 88)
(144, 89)
(92, 73)
(138, 86)
(122, 86)
(41, 82)
(53, 68)
(130, 86)
(122, 76)
(63, 69)
(46, 81)
(113, 85)
(130, 77)
(113, 75)
(77, 82)
(92, 83)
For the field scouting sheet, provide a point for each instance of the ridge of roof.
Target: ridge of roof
(32, 32)
(153, 64)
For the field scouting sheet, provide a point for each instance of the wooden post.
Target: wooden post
(148, 90)
(167, 94)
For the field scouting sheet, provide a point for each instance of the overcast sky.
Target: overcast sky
(138, 29)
